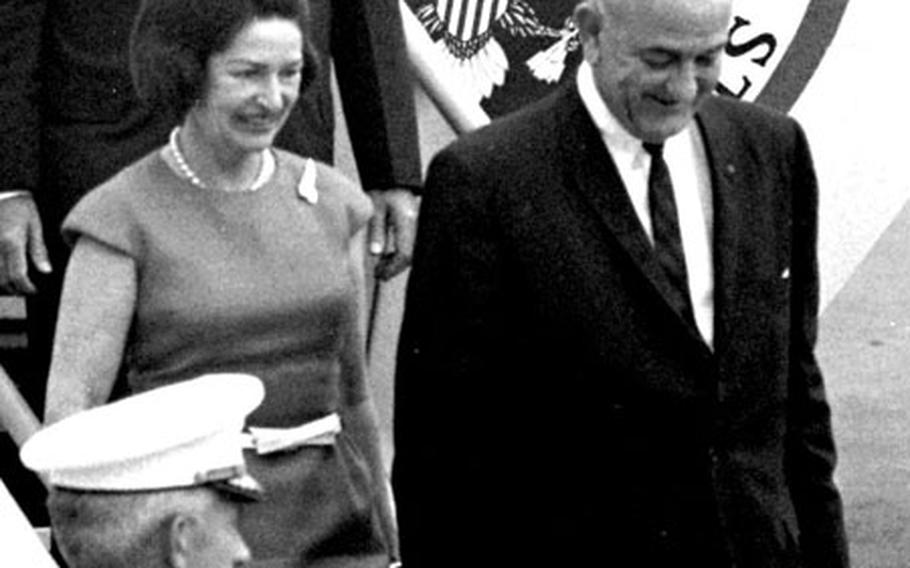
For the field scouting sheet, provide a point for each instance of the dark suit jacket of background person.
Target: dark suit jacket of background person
(553, 409)
(69, 118)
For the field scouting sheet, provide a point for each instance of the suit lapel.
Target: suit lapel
(724, 161)
(593, 171)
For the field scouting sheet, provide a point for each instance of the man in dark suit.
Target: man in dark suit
(69, 119)
(601, 366)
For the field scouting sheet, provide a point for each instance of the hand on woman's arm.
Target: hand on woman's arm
(96, 309)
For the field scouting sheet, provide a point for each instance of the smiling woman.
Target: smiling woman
(235, 91)
(250, 91)
(219, 252)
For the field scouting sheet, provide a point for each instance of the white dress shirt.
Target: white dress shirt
(688, 165)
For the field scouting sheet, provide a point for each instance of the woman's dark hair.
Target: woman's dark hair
(172, 41)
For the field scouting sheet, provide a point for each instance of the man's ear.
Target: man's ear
(181, 529)
(590, 23)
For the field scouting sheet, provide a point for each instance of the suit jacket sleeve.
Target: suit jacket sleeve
(21, 23)
(367, 46)
(450, 350)
(811, 451)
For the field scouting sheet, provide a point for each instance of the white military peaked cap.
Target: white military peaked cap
(177, 436)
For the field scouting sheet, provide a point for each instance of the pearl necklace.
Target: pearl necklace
(185, 168)
(265, 171)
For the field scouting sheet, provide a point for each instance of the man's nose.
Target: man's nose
(683, 83)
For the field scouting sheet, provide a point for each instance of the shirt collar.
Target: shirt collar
(613, 133)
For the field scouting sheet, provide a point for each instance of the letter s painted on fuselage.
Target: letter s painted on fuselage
(734, 50)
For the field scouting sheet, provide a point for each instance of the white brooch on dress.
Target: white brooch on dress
(306, 187)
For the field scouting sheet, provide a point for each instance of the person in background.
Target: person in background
(607, 349)
(220, 253)
(132, 491)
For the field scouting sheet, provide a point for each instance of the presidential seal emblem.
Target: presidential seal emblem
(509, 52)
(463, 30)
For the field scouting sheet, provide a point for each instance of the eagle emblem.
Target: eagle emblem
(465, 32)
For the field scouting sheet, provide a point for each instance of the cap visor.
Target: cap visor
(244, 488)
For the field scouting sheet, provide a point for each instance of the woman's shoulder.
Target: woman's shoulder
(327, 185)
(111, 211)
(328, 177)
(130, 183)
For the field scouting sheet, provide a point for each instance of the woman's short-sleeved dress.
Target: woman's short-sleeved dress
(261, 283)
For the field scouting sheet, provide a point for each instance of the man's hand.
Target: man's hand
(392, 230)
(21, 241)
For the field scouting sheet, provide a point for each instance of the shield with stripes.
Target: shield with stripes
(468, 21)
(470, 34)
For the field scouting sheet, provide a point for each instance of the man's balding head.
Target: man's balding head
(654, 61)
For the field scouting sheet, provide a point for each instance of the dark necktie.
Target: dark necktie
(665, 228)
